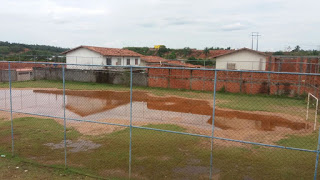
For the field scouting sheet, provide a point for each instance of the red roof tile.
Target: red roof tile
(181, 64)
(153, 59)
(166, 62)
(242, 49)
(107, 51)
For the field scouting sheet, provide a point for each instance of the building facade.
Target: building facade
(90, 55)
(242, 59)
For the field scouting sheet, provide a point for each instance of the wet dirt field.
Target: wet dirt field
(113, 106)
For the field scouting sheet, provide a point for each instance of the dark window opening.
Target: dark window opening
(109, 62)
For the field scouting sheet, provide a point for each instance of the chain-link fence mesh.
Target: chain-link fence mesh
(161, 122)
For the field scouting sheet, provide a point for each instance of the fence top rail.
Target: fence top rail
(286, 56)
(59, 55)
(182, 60)
(152, 67)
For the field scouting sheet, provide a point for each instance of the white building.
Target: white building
(242, 59)
(100, 56)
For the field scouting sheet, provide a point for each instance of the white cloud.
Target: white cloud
(233, 27)
(176, 23)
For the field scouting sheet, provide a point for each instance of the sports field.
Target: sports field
(102, 150)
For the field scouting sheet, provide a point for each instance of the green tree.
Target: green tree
(161, 51)
(16, 48)
(4, 50)
(278, 53)
(296, 49)
(315, 53)
(172, 55)
(186, 51)
(206, 51)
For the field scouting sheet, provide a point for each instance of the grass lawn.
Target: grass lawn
(15, 168)
(236, 101)
(155, 155)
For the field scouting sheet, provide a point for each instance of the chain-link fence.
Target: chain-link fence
(144, 122)
(302, 64)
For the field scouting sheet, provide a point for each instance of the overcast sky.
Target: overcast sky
(174, 23)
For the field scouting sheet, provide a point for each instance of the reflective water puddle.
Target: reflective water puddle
(98, 105)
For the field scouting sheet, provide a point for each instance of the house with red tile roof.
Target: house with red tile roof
(100, 56)
(242, 59)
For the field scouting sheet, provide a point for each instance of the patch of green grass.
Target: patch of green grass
(30, 135)
(298, 141)
(30, 171)
(264, 163)
(155, 154)
(268, 103)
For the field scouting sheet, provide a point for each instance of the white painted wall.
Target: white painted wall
(124, 61)
(244, 60)
(86, 56)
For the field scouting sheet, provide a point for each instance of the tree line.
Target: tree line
(7, 48)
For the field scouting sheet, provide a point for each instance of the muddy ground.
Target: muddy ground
(256, 126)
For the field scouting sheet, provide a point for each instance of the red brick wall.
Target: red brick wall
(293, 64)
(236, 82)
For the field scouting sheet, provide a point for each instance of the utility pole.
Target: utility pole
(257, 41)
(255, 34)
(252, 35)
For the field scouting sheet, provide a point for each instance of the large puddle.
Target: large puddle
(99, 105)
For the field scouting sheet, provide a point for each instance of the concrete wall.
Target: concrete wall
(244, 60)
(15, 75)
(4, 75)
(99, 76)
(24, 75)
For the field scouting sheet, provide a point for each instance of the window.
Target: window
(118, 61)
(136, 62)
(231, 65)
(109, 62)
(128, 61)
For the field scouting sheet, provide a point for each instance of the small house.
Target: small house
(242, 59)
(90, 55)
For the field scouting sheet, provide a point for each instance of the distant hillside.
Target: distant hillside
(185, 53)
(297, 51)
(209, 53)
(193, 56)
(7, 48)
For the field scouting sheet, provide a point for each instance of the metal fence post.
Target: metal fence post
(130, 145)
(64, 116)
(317, 158)
(213, 117)
(10, 86)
